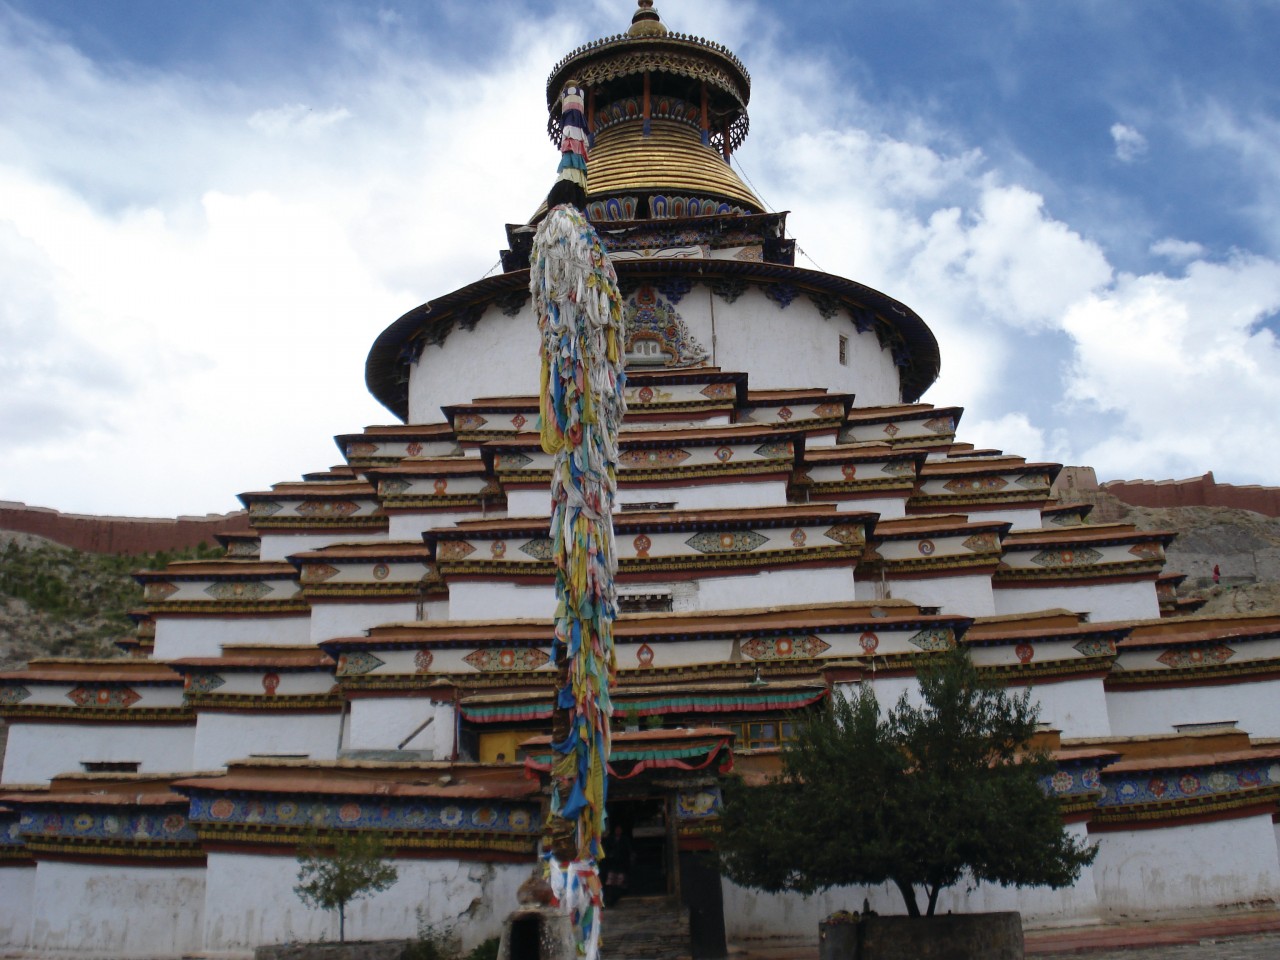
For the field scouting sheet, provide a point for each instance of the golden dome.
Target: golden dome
(645, 22)
(671, 158)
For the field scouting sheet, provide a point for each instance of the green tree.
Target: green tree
(346, 867)
(921, 797)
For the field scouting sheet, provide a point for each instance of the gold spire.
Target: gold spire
(645, 21)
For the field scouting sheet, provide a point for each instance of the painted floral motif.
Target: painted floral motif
(1095, 648)
(422, 661)
(975, 484)
(327, 509)
(654, 457)
(824, 411)
(846, 533)
(644, 655)
(358, 662)
(933, 638)
(724, 454)
(1147, 551)
(656, 335)
(361, 449)
(196, 683)
(319, 572)
(1188, 783)
(645, 394)
(498, 548)
(453, 550)
(1090, 778)
(13, 694)
(264, 508)
(940, 425)
(1024, 652)
(776, 450)
(413, 448)
(393, 487)
(1033, 480)
(270, 683)
(798, 537)
(926, 548)
(1182, 657)
(381, 571)
(512, 461)
(222, 808)
(892, 429)
(1066, 557)
(518, 421)
(238, 590)
(900, 468)
(158, 590)
(641, 544)
(720, 391)
(468, 422)
(439, 486)
(507, 659)
(117, 698)
(981, 542)
(539, 548)
(726, 541)
(785, 414)
(849, 471)
(349, 812)
(784, 648)
(869, 642)
(1062, 782)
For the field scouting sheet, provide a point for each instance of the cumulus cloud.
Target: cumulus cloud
(1130, 145)
(1178, 250)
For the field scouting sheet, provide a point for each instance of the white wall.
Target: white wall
(278, 546)
(17, 886)
(776, 587)
(409, 526)
(40, 751)
(1076, 707)
(330, 620)
(178, 637)
(969, 596)
(735, 492)
(250, 902)
(495, 600)
(221, 737)
(1193, 868)
(1253, 706)
(380, 723)
(108, 910)
(889, 508)
(1102, 601)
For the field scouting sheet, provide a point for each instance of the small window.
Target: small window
(110, 766)
(844, 350)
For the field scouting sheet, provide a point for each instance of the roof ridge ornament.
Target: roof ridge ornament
(645, 22)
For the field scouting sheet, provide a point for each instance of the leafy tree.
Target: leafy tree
(350, 866)
(919, 798)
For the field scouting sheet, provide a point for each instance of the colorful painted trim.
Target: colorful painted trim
(654, 706)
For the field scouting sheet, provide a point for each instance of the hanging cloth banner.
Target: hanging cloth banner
(579, 310)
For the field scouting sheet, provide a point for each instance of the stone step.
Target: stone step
(645, 928)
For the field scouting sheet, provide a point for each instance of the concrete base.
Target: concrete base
(971, 936)
(537, 933)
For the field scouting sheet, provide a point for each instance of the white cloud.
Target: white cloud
(1178, 250)
(296, 118)
(1130, 144)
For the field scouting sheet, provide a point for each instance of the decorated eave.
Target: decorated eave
(695, 648)
(377, 572)
(980, 483)
(1044, 647)
(1091, 553)
(260, 679)
(223, 587)
(683, 750)
(392, 443)
(13, 852)
(905, 424)
(1065, 514)
(661, 457)
(319, 507)
(117, 818)
(914, 346)
(857, 471)
(697, 393)
(1077, 781)
(340, 473)
(143, 639)
(420, 809)
(241, 546)
(794, 409)
(1187, 651)
(445, 483)
(1171, 603)
(660, 545)
(932, 546)
(93, 691)
(662, 700)
(1185, 778)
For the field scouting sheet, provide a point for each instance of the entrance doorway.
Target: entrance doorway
(643, 823)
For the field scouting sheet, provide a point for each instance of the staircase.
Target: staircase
(645, 928)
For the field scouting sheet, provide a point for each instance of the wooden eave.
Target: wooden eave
(913, 527)
(431, 467)
(391, 551)
(228, 569)
(1101, 534)
(440, 780)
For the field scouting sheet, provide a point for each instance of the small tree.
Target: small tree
(350, 866)
(919, 798)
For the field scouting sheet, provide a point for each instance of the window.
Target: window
(844, 350)
(110, 766)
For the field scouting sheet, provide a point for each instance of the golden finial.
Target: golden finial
(645, 21)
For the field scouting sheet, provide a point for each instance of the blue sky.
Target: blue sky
(208, 210)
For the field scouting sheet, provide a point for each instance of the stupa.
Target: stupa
(792, 521)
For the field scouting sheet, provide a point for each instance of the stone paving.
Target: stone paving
(1261, 946)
